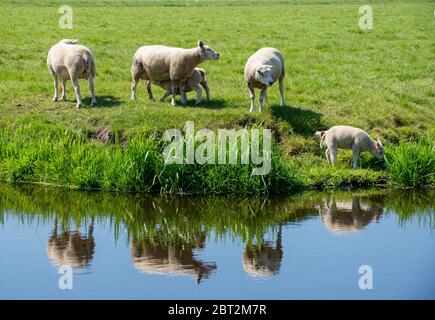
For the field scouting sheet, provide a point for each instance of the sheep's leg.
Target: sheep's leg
(328, 158)
(149, 92)
(198, 90)
(133, 88)
(91, 87)
(262, 95)
(332, 154)
(63, 90)
(182, 92)
(55, 82)
(252, 96)
(281, 90)
(355, 156)
(75, 82)
(174, 92)
(137, 72)
(165, 95)
(207, 90)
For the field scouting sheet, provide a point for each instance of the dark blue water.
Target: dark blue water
(135, 247)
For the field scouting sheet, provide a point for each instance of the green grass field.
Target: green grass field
(381, 80)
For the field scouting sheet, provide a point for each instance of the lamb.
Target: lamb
(262, 69)
(345, 137)
(71, 61)
(161, 63)
(193, 83)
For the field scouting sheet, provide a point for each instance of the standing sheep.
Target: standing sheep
(262, 69)
(71, 61)
(194, 83)
(345, 137)
(161, 63)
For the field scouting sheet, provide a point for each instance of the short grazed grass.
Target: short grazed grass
(381, 80)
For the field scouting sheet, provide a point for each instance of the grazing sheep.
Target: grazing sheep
(262, 69)
(345, 137)
(194, 83)
(161, 63)
(71, 61)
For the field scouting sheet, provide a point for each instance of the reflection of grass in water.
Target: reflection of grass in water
(410, 205)
(166, 220)
(149, 217)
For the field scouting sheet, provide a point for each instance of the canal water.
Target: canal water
(63, 244)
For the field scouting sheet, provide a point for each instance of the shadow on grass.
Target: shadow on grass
(212, 104)
(102, 102)
(304, 122)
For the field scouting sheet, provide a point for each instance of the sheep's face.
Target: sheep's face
(263, 74)
(207, 52)
(379, 150)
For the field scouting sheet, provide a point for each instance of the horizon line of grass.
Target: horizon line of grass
(177, 3)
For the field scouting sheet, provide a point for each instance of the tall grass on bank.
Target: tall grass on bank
(412, 164)
(53, 155)
(65, 158)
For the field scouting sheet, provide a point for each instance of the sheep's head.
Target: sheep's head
(379, 150)
(263, 74)
(207, 53)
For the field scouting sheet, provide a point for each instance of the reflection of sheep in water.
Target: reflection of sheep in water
(263, 260)
(177, 259)
(71, 248)
(348, 216)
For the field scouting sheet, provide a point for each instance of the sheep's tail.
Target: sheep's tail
(136, 67)
(321, 135)
(89, 63)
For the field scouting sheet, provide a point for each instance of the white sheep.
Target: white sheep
(262, 69)
(71, 61)
(194, 83)
(161, 63)
(345, 137)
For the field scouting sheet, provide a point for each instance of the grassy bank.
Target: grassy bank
(136, 164)
(380, 80)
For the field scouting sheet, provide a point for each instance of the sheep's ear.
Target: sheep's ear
(378, 143)
(200, 44)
